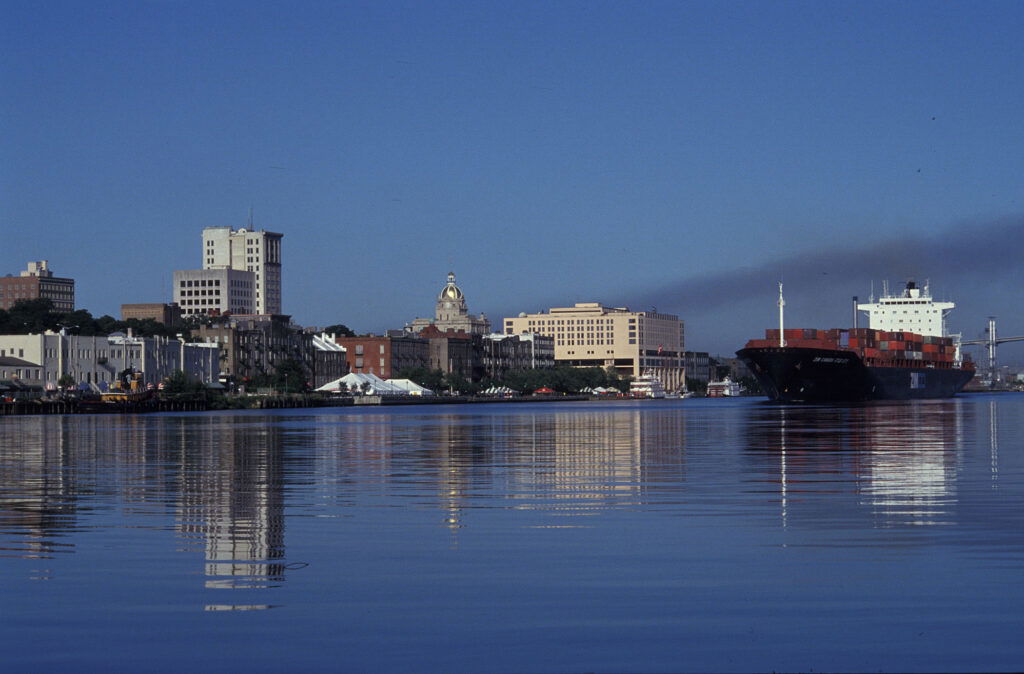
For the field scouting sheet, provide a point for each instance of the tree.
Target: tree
(66, 381)
(290, 376)
(696, 386)
(179, 382)
(339, 330)
(31, 316)
(431, 379)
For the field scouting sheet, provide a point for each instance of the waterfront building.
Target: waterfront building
(589, 334)
(329, 361)
(100, 359)
(21, 370)
(38, 282)
(507, 353)
(452, 314)
(387, 355)
(454, 352)
(255, 345)
(699, 366)
(168, 314)
(258, 252)
(214, 292)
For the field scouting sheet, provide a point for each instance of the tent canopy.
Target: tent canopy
(371, 384)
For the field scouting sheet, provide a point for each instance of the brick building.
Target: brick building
(168, 314)
(36, 282)
(455, 352)
(385, 356)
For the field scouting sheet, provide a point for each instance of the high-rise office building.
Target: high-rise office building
(257, 251)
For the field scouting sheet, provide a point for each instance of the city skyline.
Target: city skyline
(643, 156)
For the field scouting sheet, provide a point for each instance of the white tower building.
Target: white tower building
(248, 250)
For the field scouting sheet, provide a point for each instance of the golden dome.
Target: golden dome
(451, 291)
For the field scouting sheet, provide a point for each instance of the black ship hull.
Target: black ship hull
(797, 374)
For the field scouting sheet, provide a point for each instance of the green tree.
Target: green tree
(696, 386)
(431, 379)
(178, 382)
(339, 330)
(31, 316)
(291, 376)
(66, 381)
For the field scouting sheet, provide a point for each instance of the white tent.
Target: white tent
(371, 384)
(358, 383)
(409, 387)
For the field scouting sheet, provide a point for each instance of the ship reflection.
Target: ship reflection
(901, 456)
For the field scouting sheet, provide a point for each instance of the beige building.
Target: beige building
(248, 250)
(214, 292)
(592, 335)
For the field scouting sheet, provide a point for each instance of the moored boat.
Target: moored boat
(646, 386)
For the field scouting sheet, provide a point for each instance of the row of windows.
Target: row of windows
(573, 321)
(359, 349)
(28, 374)
(201, 283)
(589, 342)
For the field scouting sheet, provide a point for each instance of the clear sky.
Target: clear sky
(548, 152)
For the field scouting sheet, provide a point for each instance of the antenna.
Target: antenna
(250, 217)
(782, 307)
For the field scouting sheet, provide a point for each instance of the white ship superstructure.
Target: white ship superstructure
(646, 386)
(912, 311)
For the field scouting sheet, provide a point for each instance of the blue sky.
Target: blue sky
(548, 153)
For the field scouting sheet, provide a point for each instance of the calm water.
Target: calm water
(661, 536)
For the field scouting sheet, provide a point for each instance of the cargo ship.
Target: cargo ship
(904, 354)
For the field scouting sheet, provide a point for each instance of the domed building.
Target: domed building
(451, 313)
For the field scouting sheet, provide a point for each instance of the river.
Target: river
(683, 535)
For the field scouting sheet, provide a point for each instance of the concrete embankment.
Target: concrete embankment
(459, 400)
(185, 404)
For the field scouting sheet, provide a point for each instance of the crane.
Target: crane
(990, 342)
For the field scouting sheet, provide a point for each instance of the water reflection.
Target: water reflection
(219, 482)
(219, 476)
(573, 462)
(900, 459)
(232, 500)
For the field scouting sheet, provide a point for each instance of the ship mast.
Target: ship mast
(782, 307)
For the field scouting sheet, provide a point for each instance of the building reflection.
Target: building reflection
(572, 462)
(902, 457)
(231, 497)
(37, 496)
(218, 481)
(221, 479)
